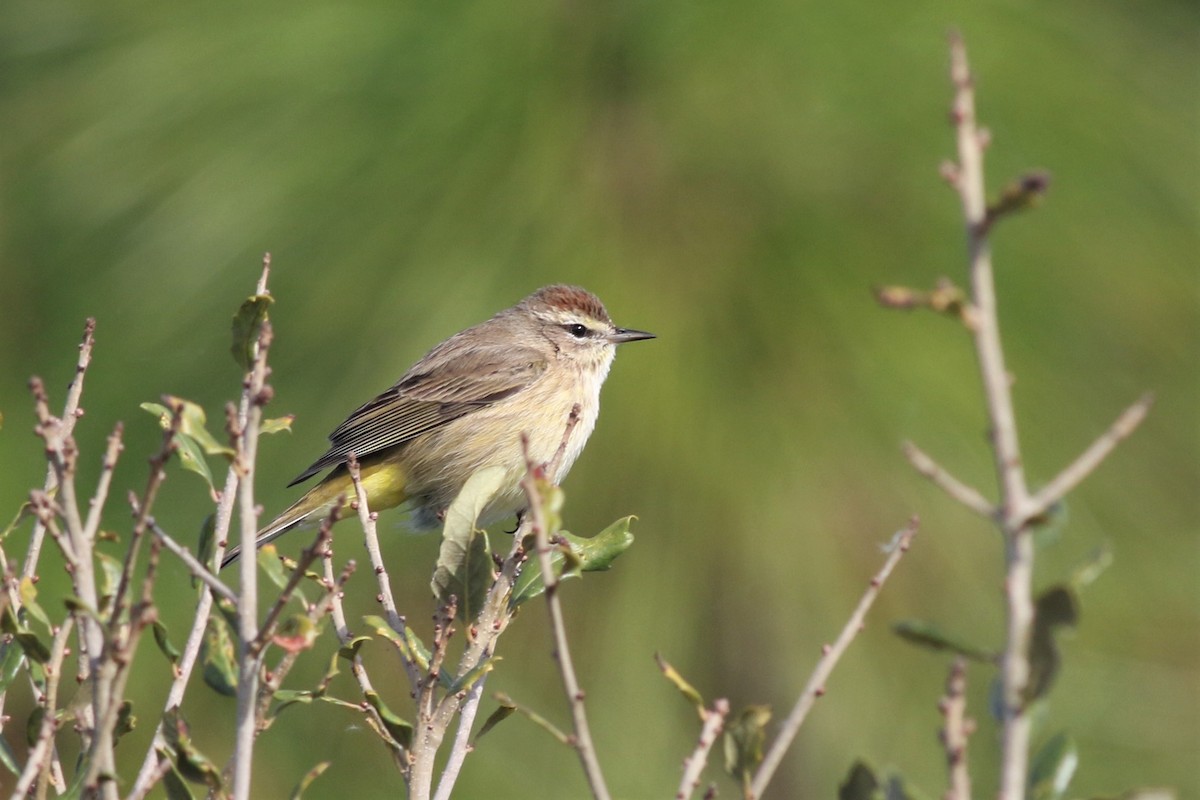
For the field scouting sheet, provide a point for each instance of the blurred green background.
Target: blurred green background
(733, 177)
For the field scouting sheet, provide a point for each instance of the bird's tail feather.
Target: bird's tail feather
(304, 511)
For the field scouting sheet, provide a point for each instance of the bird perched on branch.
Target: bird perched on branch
(465, 406)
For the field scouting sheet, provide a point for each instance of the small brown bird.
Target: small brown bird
(464, 407)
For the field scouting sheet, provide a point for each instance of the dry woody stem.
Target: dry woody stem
(831, 654)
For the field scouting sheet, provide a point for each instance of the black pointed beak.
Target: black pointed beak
(621, 335)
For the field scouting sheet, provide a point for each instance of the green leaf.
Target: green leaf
(110, 577)
(272, 567)
(349, 650)
(400, 730)
(1057, 607)
(1052, 768)
(189, 761)
(926, 634)
(206, 547)
(502, 712)
(22, 511)
(33, 726)
(744, 739)
(686, 689)
(586, 555)
(217, 656)
(860, 783)
(28, 594)
(162, 638)
(278, 424)
(409, 645)
(308, 778)
(247, 324)
(177, 788)
(464, 565)
(8, 758)
(126, 721)
(456, 685)
(11, 658)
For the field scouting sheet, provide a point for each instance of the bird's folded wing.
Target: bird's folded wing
(433, 393)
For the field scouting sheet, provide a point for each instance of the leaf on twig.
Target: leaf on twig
(925, 634)
(397, 727)
(189, 761)
(278, 424)
(307, 780)
(1024, 193)
(247, 324)
(686, 689)
(464, 565)
(33, 647)
(1052, 768)
(744, 739)
(206, 546)
(536, 718)
(217, 656)
(268, 561)
(163, 640)
(193, 440)
(503, 711)
(862, 783)
(409, 645)
(574, 555)
(1056, 608)
(126, 721)
(8, 758)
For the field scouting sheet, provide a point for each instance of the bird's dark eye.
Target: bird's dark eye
(577, 330)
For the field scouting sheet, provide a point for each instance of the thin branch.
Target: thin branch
(969, 496)
(357, 669)
(236, 419)
(307, 556)
(37, 764)
(371, 540)
(1069, 478)
(956, 730)
(693, 765)
(462, 740)
(190, 561)
(71, 412)
(830, 655)
(1014, 495)
(246, 454)
(584, 746)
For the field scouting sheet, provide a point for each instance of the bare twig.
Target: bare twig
(583, 744)
(830, 655)
(307, 556)
(37, 763)
(71, 412)
(1083, 466)
(371, 540)
(1010, 471)
(249, 657)
(956, 730)
(969, 496)
(462, 740)
(190, 561)
(693, 765)
(150, 771)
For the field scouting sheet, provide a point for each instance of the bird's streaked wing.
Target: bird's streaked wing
(436, 391)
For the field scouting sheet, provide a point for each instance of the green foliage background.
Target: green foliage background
(734, 177)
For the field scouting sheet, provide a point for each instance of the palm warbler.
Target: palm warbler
(465, 405)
